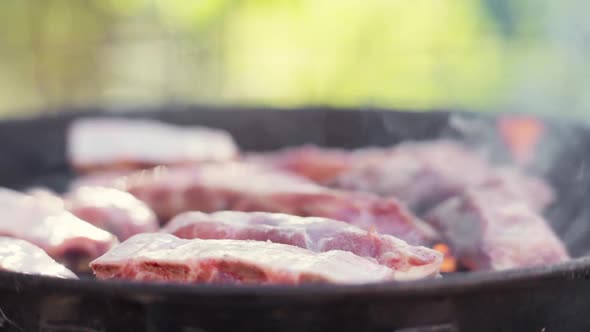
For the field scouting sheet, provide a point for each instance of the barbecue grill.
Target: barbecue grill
(546, 298)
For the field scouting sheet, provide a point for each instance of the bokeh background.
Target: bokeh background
(483, 55)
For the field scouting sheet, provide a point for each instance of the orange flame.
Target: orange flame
(449, 263)
(521, 134)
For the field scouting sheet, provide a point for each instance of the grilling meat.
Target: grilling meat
(48, 225)
(491, 231)
(164, 257)
(113, 210)
(101, 179)
(321, 165)
(116, 143)
(426, 173)
(315, 234)
(303, 196)
(245, 187)
(23, 257)
(513, 183)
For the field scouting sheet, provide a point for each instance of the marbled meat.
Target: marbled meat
(423, 174)
(113, 210)
(490, 231)
(65, 237)
(246, 187)
(315, 234)
(321, 165)
(164, 257)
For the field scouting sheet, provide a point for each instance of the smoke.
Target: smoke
(561, 157)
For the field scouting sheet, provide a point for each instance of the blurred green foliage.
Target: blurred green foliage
(525, 55)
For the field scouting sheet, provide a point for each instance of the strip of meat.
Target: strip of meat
(23, 257)
(101, 179)
(513, 183)
(489, 231)
(246, 187)
(423, 174)
(113, 210)
(315, 234)
(62, 235)
(320, 165)
(118, 143)
(164, 257)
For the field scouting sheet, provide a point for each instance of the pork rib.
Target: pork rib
(48, 225)
(320, 165)
(490, 231)
(315, 234)
(113, 210)
(164, 257)
(245, 187)
(423, 174)
(107, 178)
(117, 143)
(23, 257)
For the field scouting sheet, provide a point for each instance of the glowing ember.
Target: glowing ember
(449, 262)
(521, 134)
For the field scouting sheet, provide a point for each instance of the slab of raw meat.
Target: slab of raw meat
(489, 231)
(23, 257)
(246, 187)
(164, 257)
(320, 165)
(315, 234)
(65, 237)
(424, 174)
(46, 195)
(101, 179)
(113, 210)
(512, 182)
(118, 143)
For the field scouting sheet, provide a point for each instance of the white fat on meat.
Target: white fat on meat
(107, 141)
(46, 223)
(313, 233)
(23, 257)
(165, 257)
